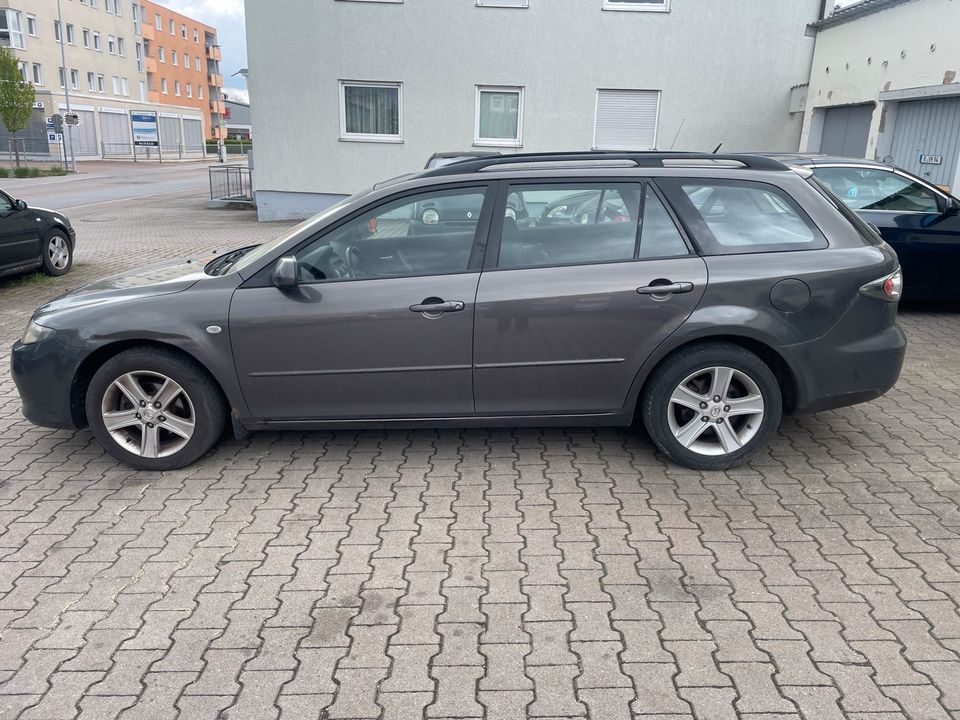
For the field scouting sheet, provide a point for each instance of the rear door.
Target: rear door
(583, 281)
(19, 235)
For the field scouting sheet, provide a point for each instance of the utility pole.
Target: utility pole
(66, 86)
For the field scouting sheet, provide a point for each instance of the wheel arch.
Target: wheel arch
(784, 373)
(95, 360)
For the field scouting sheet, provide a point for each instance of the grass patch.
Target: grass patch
(32, 172)
(37, 278)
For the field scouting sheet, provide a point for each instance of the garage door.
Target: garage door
(170, 134)
(192, 135)
(846, 130)
(115, 133)
(926, 139)
(85, 134)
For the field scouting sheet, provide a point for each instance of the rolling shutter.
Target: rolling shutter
(170, 134)
(626, 119)
(115, 133)
(85, 134)
(192, 135)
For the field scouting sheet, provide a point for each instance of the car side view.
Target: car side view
(34, 239)
(703, 294)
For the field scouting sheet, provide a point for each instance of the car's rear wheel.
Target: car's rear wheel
(712, 406)
(155, 409)
(57, 254)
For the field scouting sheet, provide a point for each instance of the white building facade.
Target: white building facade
(375, 87)
(885, 85)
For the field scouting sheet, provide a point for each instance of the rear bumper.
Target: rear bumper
(830, 375)
(43, 373)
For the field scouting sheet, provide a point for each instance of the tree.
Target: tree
(16, 97)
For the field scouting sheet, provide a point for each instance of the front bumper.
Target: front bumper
(43, 373)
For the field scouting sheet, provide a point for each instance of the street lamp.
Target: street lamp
(66, 86)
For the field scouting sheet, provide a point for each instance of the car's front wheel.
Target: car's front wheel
(155, 409)
(712, 406)
(57, 254)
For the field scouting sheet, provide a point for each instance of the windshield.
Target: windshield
(266, 248)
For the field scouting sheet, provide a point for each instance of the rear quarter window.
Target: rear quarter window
(730, 217)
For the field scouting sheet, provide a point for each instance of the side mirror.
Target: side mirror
(285, 273)
(21, 205)
(953, 207)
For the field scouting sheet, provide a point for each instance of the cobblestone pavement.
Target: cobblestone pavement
(499, 574)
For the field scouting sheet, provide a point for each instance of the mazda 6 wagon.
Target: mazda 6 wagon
(703, 294)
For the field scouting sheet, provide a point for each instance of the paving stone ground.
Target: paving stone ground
(479, 574)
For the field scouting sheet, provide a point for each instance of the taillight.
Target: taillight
(889, 287)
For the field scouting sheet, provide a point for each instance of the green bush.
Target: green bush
(33, 172)
(4, 172)
(57, 170)
(21, 172)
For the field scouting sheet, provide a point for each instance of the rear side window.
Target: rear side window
(734, 216)
(577, 224)
(871, 189)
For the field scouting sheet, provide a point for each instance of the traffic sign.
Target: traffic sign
(56, 123)
(71, 119)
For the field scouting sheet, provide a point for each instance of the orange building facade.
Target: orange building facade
(182, 61)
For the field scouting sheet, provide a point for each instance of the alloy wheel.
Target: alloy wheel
(59, 252)
(148, 414)
(715, 411)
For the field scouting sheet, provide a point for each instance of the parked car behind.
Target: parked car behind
(33, 239)
(728, 290)
(921, 221)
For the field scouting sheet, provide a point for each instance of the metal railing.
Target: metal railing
(231, 183)
(144, 152)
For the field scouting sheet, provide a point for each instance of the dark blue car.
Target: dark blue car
(921, 221)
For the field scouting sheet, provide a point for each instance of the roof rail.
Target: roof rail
(641, 159)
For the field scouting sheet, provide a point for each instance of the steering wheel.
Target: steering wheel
(351, 256)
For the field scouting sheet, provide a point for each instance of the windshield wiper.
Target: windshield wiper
(221, 264)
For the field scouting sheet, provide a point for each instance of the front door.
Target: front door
(19, 235)
(581, 294)
(381, 325)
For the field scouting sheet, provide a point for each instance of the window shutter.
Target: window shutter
(626, 119)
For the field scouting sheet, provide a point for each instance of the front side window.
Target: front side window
(370, 111)
(570, 224)
(499, 118)
(745, 217)
(640, 5)
(432, 233)
(871, 189)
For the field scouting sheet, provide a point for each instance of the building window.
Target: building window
(176, 87)
(75, 79)
(138, 48)
(189, 89)
(121, 47)
(163, 85)
(200, 92)
(101, 84)
(113, 6)
(143, 91)
(116, 85)
(196, 63)
(161, 56)
(499, 116)
(639, 5)
(91, 82)
(71, 34)
(173, 27)
(626, 120)
(57, 34)
(86, 38)
(22, 67)
(183, 31)
(503, 3)
(125, 87)
(96, 41)
(63, 77)
(135, 11)
(11, 29)
(371, 111)
(111, 45)
(196, 35)
(186, 61)
(157, 21)
(32, 25)
(173, 57)
(37, 74)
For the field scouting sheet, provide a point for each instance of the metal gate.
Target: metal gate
(193, 135)
(170, 134)
(84, 134)
(926, 138)
(846, 130)
(115, 133)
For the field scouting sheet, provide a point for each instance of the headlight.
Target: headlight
(34, 333)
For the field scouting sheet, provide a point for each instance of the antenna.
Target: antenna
(717, 148)
(678, 133)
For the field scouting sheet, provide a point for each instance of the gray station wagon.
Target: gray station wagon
(706, 294)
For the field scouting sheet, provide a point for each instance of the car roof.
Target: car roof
(819, 160)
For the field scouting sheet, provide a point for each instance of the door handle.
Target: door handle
(437, 308)
(666, 289)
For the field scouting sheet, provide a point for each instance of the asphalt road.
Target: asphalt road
(102, 183)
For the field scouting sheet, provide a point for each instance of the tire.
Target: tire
(57, 254)
(737, 426)
(190, 418)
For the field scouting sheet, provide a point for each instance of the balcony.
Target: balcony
(147, 31)
(217, 107)
(215, 80)
(213, 52)
(150, 64)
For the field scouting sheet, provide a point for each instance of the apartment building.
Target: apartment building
(182, 61)
(104, 73)
(393, 81)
